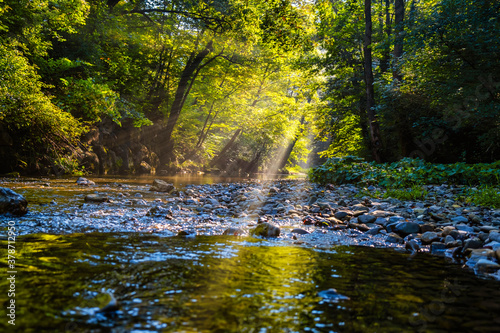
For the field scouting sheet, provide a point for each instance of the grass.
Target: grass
(413, 193)
(485, 196)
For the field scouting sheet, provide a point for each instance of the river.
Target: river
(207, 282)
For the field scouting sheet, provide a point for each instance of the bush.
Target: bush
(405, 173)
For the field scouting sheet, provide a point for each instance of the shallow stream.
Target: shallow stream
(214, 283)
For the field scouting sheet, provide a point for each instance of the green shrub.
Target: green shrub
(485, 196)
(404, 174)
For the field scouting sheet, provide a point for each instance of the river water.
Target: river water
(215, 283)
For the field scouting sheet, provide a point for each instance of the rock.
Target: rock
(494, 236)
(464, 227)
(234, 232)
(447, 230)
(341, 215)
(437, 248)
(395, 219)
(12, 202)
(111, 306)
(332, 296)
(366, 219)
(84, 181)
(406, 228)
(360, 208)
(186, 233)
(497, 253)
(460, 219)
(144, 168)
(394, 238)
(482, 254)
(162, 186)
(474, 219)
(426, 227)
(157, 211)
(449, 239)
(374, 230)
(266, 230)
(486, 265)
(429, 237)
(412, 246)
(299, 231)
(96, 198)
(473, 243)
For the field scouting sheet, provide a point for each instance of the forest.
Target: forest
(238, 86)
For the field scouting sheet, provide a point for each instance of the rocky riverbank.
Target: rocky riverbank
(289, 211)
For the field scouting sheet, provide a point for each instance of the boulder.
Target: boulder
(12, 202)
(406, 228)
(96, 198)
(162, 186)
(429, 237)
(84, 181)
(265, 230)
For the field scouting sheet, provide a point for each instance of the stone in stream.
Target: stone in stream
(84, 182)
(406, 228)
(233, 232)
(96, 198)
(394, 238)
(412, 246)
(473, 243)
(486, 265)
(299, 231)
(265, 230)
(162, 186)
(429, 237)
(12, 202)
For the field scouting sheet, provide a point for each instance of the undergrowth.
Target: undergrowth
(404, 174)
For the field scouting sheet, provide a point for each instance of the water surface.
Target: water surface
(227, 284)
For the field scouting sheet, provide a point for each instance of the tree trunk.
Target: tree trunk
(370, 94)
(187, 77)
(399, 8)
(224, 150)
(386, 53)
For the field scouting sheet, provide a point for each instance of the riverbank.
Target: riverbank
(307, 214)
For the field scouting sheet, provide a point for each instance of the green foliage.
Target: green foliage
(405, 173)
(484, 196)
(414, 193)
(88, 100)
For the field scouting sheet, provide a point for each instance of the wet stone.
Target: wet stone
(406, 228)
(234, 232)
(12, 202)
(266, 230)
(366, 218)
(429, 237)
(394, 238)
(162, 186)
(96, 198)
(300, 231)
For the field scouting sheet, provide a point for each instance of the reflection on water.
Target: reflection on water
(222, 284)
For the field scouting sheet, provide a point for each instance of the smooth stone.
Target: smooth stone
(460, 219)
(395, 219)
(162, 186)
(374, 230)
(482, 253)
(463, 227)
(437, 248)
(360, 207)
(412, 246)
(12, 202)
(497, 252)
(426, 227)
(233, 232)
(381, 221)
(366, 219)
(186, 233)
(447, 231)
(300, 231)
(449, 239)
(419, 211)
(342, 214)
(494, 236)
(407, 228)
(381, 213)
(156, 211)
(472, 243)
(488, 228)
(485, 264)
(84, 181)
(429, 237)
(394, 238)
(266, 230)
(96, 198)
